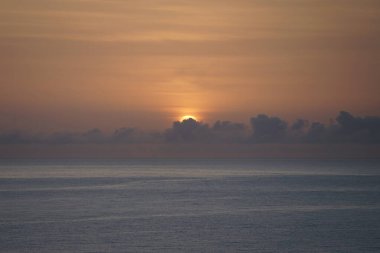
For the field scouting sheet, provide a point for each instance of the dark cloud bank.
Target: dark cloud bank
(264, 137)
(262, 129)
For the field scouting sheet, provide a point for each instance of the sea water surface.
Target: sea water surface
(190, 205)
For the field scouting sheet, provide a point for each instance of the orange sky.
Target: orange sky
(78, 64)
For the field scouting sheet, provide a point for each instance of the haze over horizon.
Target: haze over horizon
(74, 65)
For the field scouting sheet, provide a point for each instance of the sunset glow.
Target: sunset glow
(146, 63)
(188, 117)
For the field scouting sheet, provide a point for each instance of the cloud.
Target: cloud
(299, 125)
(94, 135)
(227, 126)
(13, 137)
(263, 129)
(125, 134)
(188, 130)
(227, 131)
(134, 135)
(268, 129)
(191, 130)
(316, 133)
(357, 129)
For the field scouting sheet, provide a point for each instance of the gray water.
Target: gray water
(176, 205)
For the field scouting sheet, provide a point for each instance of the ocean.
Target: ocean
(190, 205)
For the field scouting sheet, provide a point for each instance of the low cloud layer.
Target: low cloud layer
(263, 128)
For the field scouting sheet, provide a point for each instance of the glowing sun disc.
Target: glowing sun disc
(188, 117)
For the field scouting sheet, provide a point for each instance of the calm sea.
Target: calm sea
(185, 205)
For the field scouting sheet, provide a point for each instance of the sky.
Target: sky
(72, 65)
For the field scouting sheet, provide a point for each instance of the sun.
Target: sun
(188, 117)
